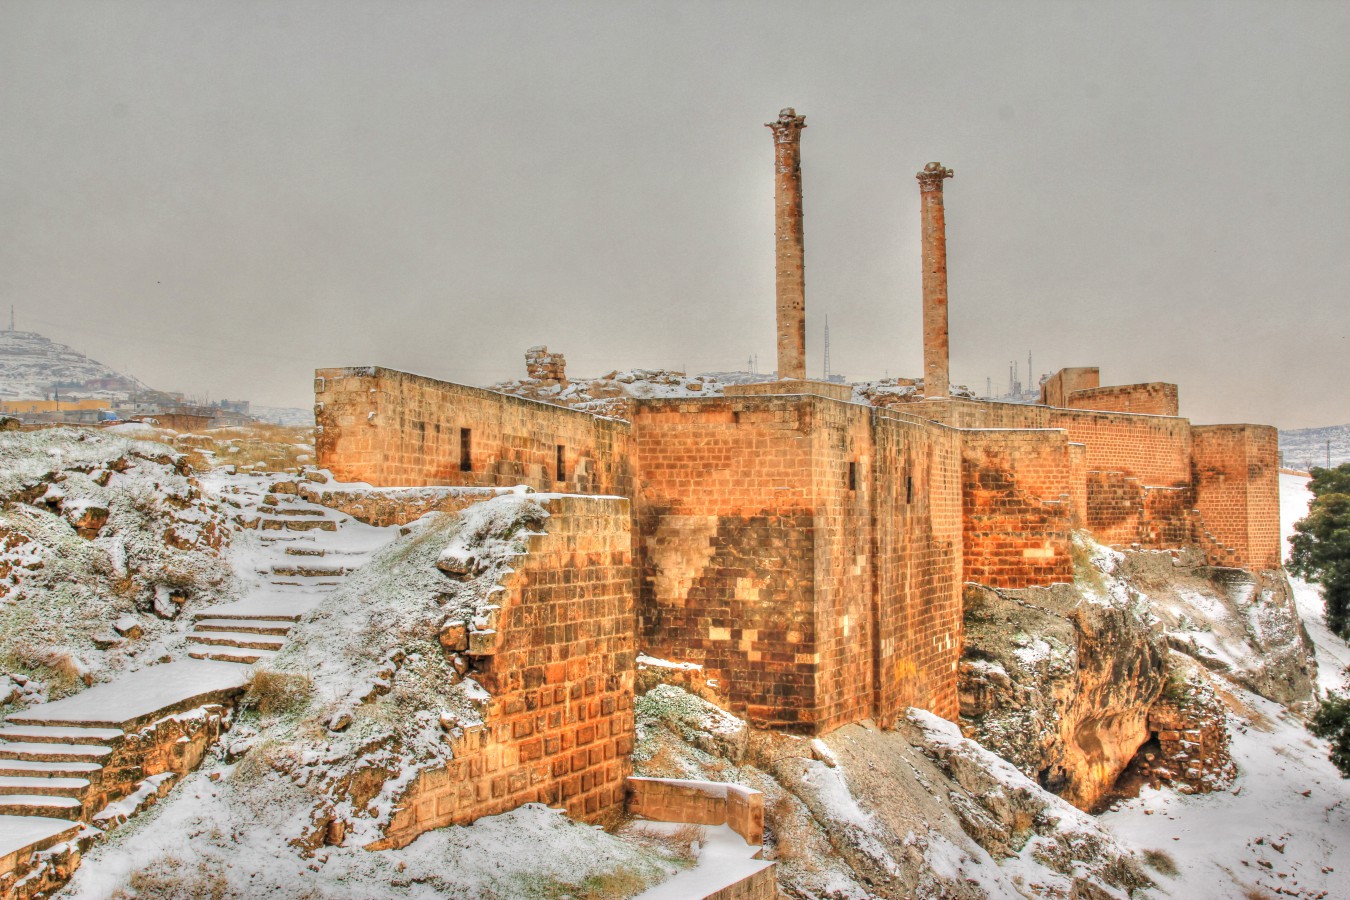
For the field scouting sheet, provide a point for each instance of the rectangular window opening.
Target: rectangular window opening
(465, 443)
(561, 465)
(909, 489)
(852, 476)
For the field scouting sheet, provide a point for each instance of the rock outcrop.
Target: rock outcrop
(1059, 682)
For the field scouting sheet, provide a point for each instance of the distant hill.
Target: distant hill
(32, 367)
(1307, 447)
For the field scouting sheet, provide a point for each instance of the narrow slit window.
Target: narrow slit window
(909, 489)
(561, 465)
(852, 476)
(465, 447)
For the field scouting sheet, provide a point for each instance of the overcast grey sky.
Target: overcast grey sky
(220, 197)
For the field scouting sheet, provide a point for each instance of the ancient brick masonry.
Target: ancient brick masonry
(790, 252)
(392, 429)
(1155, 398)
(544, 366)
(560, 667)
(806, 551)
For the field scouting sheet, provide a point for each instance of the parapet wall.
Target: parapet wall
(1155, 398)
(393, 429)
(559, 664)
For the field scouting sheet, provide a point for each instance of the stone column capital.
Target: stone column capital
(930, 179)
(788, 128)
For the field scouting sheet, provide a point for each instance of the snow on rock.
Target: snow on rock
(96, 528)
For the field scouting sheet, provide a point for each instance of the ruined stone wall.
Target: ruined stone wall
(699, 803)
(1156, 398)
(1057, 387)
(1237, 490)
(726, 547)
(560, 668)
(917, 513)
(392, 429)
(1017, 500)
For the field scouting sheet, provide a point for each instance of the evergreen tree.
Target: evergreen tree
(1332, 721)
(1321, 544)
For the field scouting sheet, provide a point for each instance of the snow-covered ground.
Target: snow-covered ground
(1284, 826)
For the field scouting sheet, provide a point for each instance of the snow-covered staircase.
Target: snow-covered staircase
(48, 770)
(54, 757)
(308, 550)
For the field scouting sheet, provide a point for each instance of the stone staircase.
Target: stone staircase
(65, 765)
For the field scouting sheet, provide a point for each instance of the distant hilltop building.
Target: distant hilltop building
(807, 551)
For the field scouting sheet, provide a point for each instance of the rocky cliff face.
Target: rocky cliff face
(1069, 682)
(914, 811)
(1060, 683)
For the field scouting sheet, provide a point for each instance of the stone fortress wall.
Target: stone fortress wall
(807, 551)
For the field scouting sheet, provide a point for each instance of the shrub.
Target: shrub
(278, 693)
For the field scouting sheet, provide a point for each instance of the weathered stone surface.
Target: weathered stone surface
(1060, 685)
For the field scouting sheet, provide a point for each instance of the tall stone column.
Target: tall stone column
(790, 253)
(936, 376)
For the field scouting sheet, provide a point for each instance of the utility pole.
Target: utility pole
(988, 387)
(1328, 453)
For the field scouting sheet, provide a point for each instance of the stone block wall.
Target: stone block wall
(806, 551)
(699, 803)
(1237, 490)
(1156, 398)
(392, 429)
(1017, 501)
(918, 526)
(726, 548)
(1056, 388)
(560, 669)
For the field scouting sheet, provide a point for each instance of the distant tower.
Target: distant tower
(827, 347)
(11, 317)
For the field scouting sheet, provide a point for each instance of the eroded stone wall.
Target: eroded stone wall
(392, 429)
(1018, 511)
(560, 668)
(726, 546)
(1057, 387)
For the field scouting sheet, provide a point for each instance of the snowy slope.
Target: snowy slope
(1284, 824)
(31, 367)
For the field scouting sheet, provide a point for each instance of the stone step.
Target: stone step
(241, 639)
(231, 654)
(301, 525)
(300, 511)
(59, 734)
(45, 787)
(38, 805)
(302, 571)
(245, 625)
(36, 768)
(305, 551)
(328, 585)
(284, 538)
(53, 752)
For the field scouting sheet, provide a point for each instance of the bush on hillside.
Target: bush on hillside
(1332, 721)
